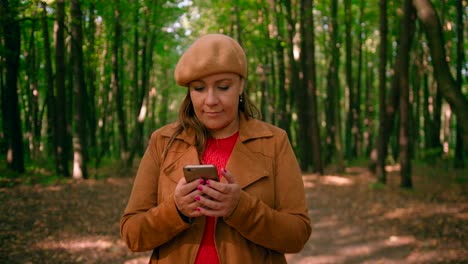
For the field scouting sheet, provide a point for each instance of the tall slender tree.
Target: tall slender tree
(334, 141)
(447, 84)
(63, 147)
(349, 84)
(91, 79)
(116, 85)
(357, 123)
(381, 146)
(459, 154)
(283, 113)
(310, 83)
(33, 126)
(10, 104)
(80, 146)
(406, 28)
(50, 98)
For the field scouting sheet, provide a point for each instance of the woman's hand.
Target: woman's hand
(220, 199)
(184, 197)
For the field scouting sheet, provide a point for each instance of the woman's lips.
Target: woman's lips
(212, 114)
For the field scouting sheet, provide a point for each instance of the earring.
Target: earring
(241, 103)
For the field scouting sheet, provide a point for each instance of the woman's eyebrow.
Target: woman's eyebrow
(224, 79)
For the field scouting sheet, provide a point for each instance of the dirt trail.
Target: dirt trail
(352, 222)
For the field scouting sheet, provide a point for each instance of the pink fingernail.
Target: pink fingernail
(224, 170)
(200, 187)
(197, 198)
(202, 181)
(198, 209)
(207, 182)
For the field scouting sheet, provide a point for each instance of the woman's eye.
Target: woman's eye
(223, 87)
(198, 88)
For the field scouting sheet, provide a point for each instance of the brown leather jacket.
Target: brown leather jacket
(271, 218)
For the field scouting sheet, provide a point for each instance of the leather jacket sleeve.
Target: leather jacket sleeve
(143, 215)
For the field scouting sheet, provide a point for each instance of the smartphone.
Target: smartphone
(206, 172)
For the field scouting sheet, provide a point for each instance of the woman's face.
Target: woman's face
(215, 99)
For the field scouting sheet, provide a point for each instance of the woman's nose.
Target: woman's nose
(211, 97)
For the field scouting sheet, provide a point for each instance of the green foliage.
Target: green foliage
(170, 26)
(36, 173)
(376, 186)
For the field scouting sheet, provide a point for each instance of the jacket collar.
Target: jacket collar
(248, 129)
(243, 163)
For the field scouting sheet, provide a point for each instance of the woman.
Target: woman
(256, 212)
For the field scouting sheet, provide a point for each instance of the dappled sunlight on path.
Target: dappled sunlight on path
(354, 221)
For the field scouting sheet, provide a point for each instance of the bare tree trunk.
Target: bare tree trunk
(416, 72)
(137, 145)
(33, 126)
(105, 107)
(292, 78)
(91, 81)
(357, 124)
(334, 141)
(63, 147)
(349, 84)
(428, 129)
(237, 22)
(407, 23)
(309, 75)
(447, 84)
(115, 83)
(381, 146)
(369, 115)
(149, 40)
(80, 146)
(283, 114)
(51, 107)
(299, 100)
(459, 161)
(11, 112)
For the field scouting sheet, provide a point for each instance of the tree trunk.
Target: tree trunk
(11, 111)
(63, 147)
(283, 114)
(407, 23)
(459, 160)
(137, 139)
(51, 106)
(80, 146)
(292, 78)
(149, 40)
(447, 84)
(349, 85)
(91, 81)
(298, 93)
(381, 146)
(115, 83)
(333, 102)
(33, 126)
(370, 107)
(310, 83)
(237, 22)
(105, 109)
(416, 72)
(427, 116)
(357, 124)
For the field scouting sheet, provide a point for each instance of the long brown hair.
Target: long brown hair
(188, 120)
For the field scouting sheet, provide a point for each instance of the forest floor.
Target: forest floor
(354, 219)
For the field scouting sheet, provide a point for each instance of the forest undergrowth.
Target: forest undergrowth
(355, 220)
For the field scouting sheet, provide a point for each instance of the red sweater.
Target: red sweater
(217, 152)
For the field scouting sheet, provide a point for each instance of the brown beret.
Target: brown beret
(210, 54)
